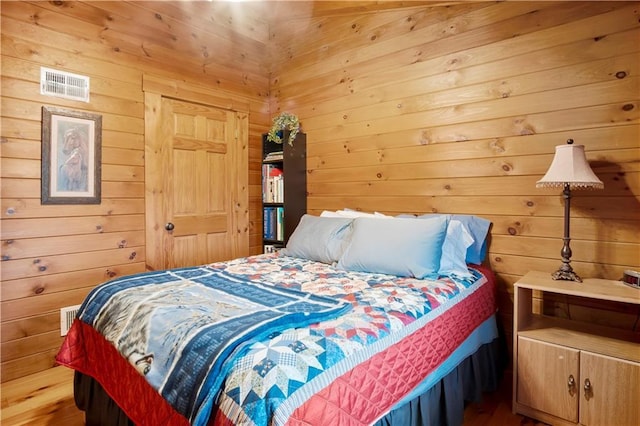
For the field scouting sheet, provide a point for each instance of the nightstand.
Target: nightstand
(568, 372)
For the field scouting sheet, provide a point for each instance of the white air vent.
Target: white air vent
(64, 84)
(67, 315)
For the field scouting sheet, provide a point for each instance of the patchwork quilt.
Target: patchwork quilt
(336, 345)
(183, 328)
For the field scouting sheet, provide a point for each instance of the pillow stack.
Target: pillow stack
(427, 246)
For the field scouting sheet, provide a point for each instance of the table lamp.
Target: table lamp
(569, 169)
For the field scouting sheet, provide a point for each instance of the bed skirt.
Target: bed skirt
(442, 404)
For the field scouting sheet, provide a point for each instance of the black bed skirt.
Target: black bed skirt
(442, 404)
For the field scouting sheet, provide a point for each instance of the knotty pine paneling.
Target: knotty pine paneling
(407, 108)
(54, 255)
(458, 109)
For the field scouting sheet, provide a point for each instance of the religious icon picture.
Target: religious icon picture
(71, 156)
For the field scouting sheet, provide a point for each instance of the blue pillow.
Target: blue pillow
(398, 246)
(454, 251)
(478, 228)
(322, 239)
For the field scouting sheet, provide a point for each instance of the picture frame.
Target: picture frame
(71, 156)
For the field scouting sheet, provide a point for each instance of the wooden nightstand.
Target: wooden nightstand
(568, 372)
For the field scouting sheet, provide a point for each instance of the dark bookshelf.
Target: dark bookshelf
(293, 190)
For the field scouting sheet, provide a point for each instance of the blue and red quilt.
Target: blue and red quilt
(308, 349)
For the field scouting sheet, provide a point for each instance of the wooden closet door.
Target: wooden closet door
(543, 374)
(612, 398)
(194, 176)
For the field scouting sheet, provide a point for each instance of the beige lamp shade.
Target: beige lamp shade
(570, 166)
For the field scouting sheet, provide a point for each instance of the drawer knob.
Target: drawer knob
(571, 385)
(588, 391)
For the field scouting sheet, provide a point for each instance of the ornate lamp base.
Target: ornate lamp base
(566, 275)
(565, 272)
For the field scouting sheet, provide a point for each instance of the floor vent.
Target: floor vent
(64, 84)
(67, 315)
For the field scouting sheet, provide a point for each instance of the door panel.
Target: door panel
(208, 224)
(216, 245)
(182, 251)
(196, 177)
(543, 373)
(612, 398)
(217, 173)
(195, 128)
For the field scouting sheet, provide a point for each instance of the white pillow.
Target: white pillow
(353, 214)
(328, 213)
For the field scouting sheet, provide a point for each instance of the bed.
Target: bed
(359, 320)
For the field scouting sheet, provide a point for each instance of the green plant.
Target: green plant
(284, 121)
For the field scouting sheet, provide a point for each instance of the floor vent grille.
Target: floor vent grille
(64, 84)
(67, 315)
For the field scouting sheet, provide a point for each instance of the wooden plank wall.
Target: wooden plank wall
(53, 255)
(458, 110)
(418, 109)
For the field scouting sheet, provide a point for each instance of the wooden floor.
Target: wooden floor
(46, 398)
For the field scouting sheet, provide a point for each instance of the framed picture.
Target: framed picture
(71, 156)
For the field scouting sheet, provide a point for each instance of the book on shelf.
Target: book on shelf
(274, 156)
(272, 184)
(266, 221)
(273, 223)
(280, 223)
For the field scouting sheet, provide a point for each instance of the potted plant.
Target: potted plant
(281, 122)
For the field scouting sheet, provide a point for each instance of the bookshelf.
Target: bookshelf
(284, 189)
